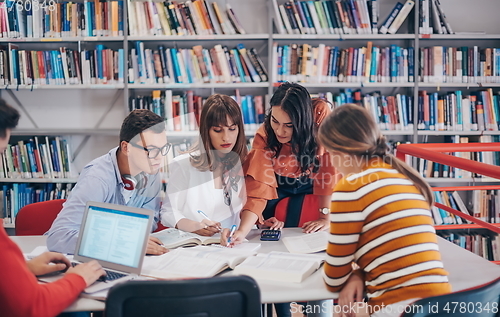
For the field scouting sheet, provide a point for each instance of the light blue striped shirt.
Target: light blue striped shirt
(99, 181)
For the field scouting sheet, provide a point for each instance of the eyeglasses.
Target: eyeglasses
(153, 151)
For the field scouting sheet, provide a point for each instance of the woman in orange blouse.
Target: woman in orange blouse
(286, 161)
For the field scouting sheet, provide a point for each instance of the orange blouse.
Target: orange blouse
(260, 168)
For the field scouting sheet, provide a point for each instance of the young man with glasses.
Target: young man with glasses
(126, 175)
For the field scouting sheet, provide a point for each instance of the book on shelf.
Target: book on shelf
(280, 266)
(307, 242)
(182, 111)
(196, 65)
(482, 243)
(64, 66)
(197, 262)
(326, 17)
(330, 64)
(61, 20)
(15, 196)
(37, 157)
(197, 17)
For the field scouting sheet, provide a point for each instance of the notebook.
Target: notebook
(116, 236)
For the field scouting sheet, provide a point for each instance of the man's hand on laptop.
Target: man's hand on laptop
(155, 246)
(90, 271)
(48, 262)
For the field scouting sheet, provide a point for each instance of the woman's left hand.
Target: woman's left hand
(48, 262)
(351, 293)
(315, 225)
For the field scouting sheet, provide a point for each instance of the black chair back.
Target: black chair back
(483, 301)
(235, 296)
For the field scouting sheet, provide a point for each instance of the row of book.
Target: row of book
(338, 17)
(53, 19)
(483, 244)
(15, 196)
(219, 64)
(432, 19)
(330, 64)
(37, 157)
(445, 64)
(195, 17)
(429, 169)
(453, 111)
(61, 67)
(483, 205)
(182, 111)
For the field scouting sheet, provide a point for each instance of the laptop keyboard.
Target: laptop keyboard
(110, 275)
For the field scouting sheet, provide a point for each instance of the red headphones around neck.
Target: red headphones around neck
(134, 182)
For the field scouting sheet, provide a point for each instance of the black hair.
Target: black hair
(9, 117)
(296, 102)
(138, 121)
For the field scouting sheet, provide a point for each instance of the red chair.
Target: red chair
(309, 212)
(36, 219)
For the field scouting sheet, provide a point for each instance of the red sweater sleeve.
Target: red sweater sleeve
(22, 295)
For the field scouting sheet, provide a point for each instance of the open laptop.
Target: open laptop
(116, 236)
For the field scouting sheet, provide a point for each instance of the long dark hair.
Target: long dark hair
(351, 129)
(296, 102)
(214, 113)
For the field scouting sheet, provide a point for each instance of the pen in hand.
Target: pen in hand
(233, 229)
(206, 217)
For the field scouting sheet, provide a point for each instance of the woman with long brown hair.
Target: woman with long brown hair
(380, 219)
(206, 188)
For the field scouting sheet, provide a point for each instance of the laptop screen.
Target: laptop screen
(114, 236)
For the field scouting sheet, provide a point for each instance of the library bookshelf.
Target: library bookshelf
(90, 114)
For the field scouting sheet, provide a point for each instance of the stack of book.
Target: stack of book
(219, 64)
(15, 196)
(478, 111)
(432, 18)
(37, 158)
(182, 111)
(329, 64)
(195, 17)
(53, 19)
(60, 67)
(337, 17)
(441, 64)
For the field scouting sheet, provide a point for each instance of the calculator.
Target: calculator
(270, 235)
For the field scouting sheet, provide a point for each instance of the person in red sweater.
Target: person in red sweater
(20, 292)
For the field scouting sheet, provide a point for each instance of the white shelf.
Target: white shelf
(192, 86)
(38, 180)
(44, 131)
(239, 37)
(181, 134)
(472, 36)
(352, 85)
(33, 87)
(466, 85)
(441, 180)
(396, 132)
(343, 36)
(427, 132)
(66, 39)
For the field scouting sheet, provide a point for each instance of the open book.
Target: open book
(307, 242)
(173, 238)
(279, 266)
(198, 262)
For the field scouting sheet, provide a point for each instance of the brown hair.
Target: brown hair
(214, 113)
(351, 129)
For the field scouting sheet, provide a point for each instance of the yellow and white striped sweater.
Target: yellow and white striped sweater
(381, 221)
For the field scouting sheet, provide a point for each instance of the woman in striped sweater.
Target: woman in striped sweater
(380, 219)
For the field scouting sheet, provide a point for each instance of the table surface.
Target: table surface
(465, 268)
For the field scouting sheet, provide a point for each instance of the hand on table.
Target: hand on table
(237, 238)
(273, 223)
(315, 225)
(48, 262)
(155, 246)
